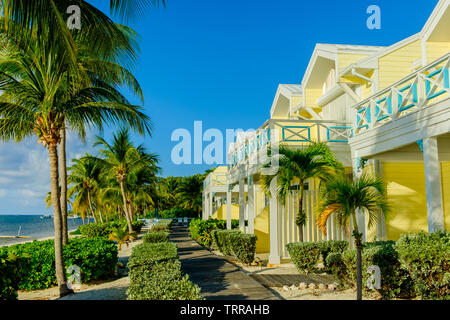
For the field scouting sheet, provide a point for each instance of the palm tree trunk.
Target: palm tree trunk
(63, 177)
(127, 216)
(100, 215)
(300, 209)
(358, 244)
(90, 206)
(57, 220)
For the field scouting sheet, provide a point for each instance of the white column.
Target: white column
(229, 207)
(251, 206)
(274, 255)
(241, 205)
(210, 213)
(433, 185)
(381, 225)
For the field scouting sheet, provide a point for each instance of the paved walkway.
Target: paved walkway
(218, 279)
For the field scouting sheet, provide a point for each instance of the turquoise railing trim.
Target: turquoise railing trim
(415, 97)
(428, 83)
(296, 140)
(338, 127)
(378, 109)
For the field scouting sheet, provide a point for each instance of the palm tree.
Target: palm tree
(121, 160)
(190, 193)
(347, 198)
(315, 161)
(85, 180)
(35, 101)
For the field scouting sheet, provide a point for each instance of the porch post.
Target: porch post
(274, 255)
(381, 225)
(204, 213)
(229, 207)
(251, 205)
(210, 202)
(241, 204)
(433, 185)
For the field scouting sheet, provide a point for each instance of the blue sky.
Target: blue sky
(219, 62)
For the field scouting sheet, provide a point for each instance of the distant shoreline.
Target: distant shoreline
(31, 240)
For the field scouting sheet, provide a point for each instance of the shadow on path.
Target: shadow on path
(218, 279)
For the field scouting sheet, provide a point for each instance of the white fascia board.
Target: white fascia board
(330, 95)
(434, 18)
(321, 50)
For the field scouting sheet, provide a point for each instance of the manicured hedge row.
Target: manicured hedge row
(97, 259)
(155, 237)
(162, 225)
(11, 274)
(306, 255)
(155, 274)
(201, 229)
(415, 265)
(426, 258)
(234, 242)
(174, 213)
(103, 230)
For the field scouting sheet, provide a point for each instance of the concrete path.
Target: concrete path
(218, 279)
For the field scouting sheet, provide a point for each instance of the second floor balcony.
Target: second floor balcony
(287, 132)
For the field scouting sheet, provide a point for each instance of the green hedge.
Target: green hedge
(201, 229)
(155, 237)
(155, 274)
(11, 274)
(304, 255)
(97, 259)
(426, 258)
(394, 281)
(173, 213)
(234, 242)
(331, 246)
(103, 230)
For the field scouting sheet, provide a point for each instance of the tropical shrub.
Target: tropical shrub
(201, 229)
(103, 230)
(173, 213)
(304, 255)
(234, 242)
(155, 237)
(11, 274)
(395, 282)
(155, 274)
(337, 267)
(331, 246)
(97, 259)
(426, 258)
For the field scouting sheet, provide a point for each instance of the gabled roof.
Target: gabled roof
(280, 105)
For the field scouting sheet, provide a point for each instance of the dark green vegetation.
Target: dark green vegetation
(155, 274)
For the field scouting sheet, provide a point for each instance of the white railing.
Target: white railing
(421, 88)
(290, 132)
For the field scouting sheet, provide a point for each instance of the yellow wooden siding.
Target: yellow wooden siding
(445, 169)
(221, 213)
(346, 59)
(311, 96)
(262, 231)
(397, 64)
(436, 50)
(296, 100)
(407, 197)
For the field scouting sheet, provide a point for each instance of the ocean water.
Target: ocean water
(30, 225)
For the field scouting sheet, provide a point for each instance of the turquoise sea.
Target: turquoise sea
(30, 225)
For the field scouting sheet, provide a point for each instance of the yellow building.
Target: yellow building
(385, 109)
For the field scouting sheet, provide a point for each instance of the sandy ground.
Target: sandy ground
(294, 292)
(114, 289)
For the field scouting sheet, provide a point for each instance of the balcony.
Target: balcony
(414, 93)
(287, 132)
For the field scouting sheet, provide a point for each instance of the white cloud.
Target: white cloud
(25, 173)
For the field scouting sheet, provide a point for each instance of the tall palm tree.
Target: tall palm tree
(35, 101)
(190, 193)
(296, 166)
(85, 180)
(347, 198)
(121, 160)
